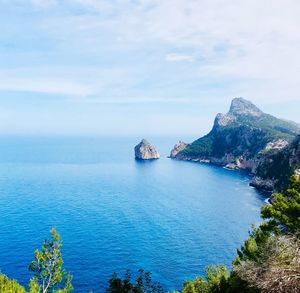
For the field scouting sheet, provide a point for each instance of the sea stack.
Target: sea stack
(145, 151)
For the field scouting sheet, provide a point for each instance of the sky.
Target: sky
(144, 67)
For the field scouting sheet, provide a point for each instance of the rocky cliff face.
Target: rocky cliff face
(277, 166)
(145, 151)
(242, 139)
(180, 146)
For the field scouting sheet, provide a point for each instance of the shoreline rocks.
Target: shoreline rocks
(262, 184)
(145, 151)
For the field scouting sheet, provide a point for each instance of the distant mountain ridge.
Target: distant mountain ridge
(244, 138)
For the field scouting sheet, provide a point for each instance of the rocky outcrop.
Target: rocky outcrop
(243, 107)
(244, 138)
(263, 184)
(276, 145)
(223, 120)
(145, 151)
(180, 146)
(279, 164)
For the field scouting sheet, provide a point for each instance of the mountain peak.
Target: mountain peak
(240, 106)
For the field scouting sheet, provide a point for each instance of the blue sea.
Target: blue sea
(172, 218)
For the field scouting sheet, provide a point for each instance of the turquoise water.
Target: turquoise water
(170, 217)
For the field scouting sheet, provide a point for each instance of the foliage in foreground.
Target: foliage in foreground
(270, 259)
(49, 275)
(275, 267)
(10, 286)
(216, 281)
(284, 213)
(142, 284)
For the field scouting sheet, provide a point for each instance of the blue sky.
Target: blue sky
(144, 67)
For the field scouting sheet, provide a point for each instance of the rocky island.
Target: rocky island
(248, 139)
(145, 151)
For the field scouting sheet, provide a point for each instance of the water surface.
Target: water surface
(170, 217)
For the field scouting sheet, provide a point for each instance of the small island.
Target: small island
(145, 151)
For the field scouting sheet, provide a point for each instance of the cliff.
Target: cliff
(245, 138)
(278, 166)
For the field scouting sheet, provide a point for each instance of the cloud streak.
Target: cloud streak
(249, 40)
(173, 57)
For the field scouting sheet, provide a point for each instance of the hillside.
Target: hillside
(242, 139)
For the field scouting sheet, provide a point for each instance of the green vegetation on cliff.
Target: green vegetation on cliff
(243, 131)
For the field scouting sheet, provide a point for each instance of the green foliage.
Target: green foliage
(285, 209)
(202, 147)
(47, 267)
(142, 284)
(199, 285)
(217, 278)
(269, 260)
(235, 139)
(277, 128)
(10, 286)
(247, 136)
(251, 248)
(34, 286)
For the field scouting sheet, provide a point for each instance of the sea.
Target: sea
(171, 218)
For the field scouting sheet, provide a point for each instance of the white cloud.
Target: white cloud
(248, 40)
(173, 57)
(253, 45)
(42, 85)
(78, 81)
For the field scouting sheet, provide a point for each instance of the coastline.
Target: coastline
(256, 182)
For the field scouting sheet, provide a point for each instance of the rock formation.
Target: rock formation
(145, 151)
(180, 146)
(245, 138)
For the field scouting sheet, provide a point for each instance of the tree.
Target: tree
(251, 248)
(216, 281)
(49, 276)
(284, 212)
(198, 285)
(142, 284)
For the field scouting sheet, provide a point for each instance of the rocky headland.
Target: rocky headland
(145, 151)
(248, 139)
(180, 146)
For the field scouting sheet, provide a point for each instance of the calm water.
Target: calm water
(172, 218)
